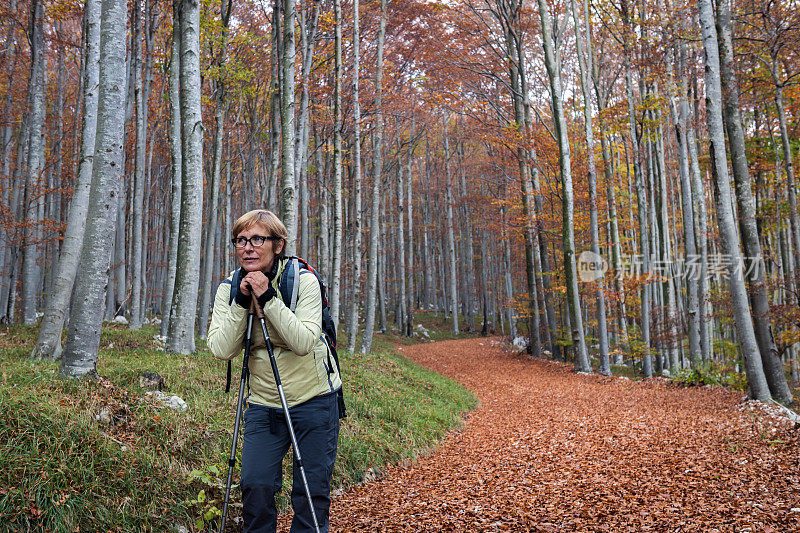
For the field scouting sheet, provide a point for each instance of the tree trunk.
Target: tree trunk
(337, 168)
(176, 159)
(641, 195)
(586, 83)
(519, 91)
(794, 216)
(308, 29)
(377, 167)
(469, 252)
(55, 181)
(401, 245)
(409, 325)
(451, 245)
(754, 261)
(268, 195)
(288, 202)
(352, 320)
(560, 126)
(48, 344)
(17, 208)
(139, 165)
(668, 287)
(36, 163)
(180, 335)
(212, 223)
(701, 222)
(83, 338)
(727, 227)
(507, 269)
(681, 120)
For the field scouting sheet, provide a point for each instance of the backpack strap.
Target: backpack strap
(295, 267)
(236, 280)
(288, 284)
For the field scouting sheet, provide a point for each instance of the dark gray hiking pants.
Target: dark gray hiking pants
(266, 441)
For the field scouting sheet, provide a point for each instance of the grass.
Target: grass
(151, 469)
(438, 326)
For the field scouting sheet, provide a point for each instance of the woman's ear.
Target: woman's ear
(278, 246)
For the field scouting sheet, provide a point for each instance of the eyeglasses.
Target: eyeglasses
(256, 241)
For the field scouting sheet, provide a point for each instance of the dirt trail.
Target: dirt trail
(550, 450)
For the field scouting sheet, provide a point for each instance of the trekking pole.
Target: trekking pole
(260, 314)
(232, 460)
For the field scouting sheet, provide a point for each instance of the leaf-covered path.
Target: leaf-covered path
(550, 450)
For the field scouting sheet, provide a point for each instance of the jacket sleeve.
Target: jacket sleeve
(300, 330)
(228, 324)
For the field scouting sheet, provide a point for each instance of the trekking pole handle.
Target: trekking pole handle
(259, 312)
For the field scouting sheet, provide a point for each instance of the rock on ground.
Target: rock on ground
(171, 402)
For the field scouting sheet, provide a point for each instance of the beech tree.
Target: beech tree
(180, 335)
(79, 358)
(35, 164)
(560, 126)
(377, 169)
(727, 229)
(48, 344)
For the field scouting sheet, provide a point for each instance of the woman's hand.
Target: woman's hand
(255, 280)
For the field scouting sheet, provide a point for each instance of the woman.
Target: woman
(301, 355)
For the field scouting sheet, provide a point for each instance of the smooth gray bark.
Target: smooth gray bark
(568, 242)
(469, 251)
(508, 15)
(586, 83)
(400, 241)
(377, 170)
(288, 202)
(524, 161)
(17, 208)
(754, 259)
(508, 285)
(269, 196)
(175, 168)
(308, 31)
(212, 222)
(308, 27)
(180, 335)
(48, 344)
(788, 164)
(701, 236)
(139, 171)
(641, 196)
(668, 287)
(83, 338)
(336, 275)
(409, 325)
(35, 165)
(450, 231)
(352, 320)
(745, 333)
(681, 121)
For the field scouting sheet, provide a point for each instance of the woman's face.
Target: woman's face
(253, 258)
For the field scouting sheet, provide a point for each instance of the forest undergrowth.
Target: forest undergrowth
(98, 455)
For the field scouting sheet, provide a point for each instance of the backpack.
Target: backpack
(288, 289)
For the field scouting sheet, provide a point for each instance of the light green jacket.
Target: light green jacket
(300, 351)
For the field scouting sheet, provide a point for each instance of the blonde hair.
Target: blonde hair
(266, 218)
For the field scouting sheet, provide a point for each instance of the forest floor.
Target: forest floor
(551, 450)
